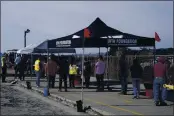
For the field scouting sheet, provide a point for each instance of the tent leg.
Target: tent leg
(99, 51)
(154, 54)
(47, 71)
(31, 67)
(107, 65)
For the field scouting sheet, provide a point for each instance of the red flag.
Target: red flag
(157, 38)
(87, 33)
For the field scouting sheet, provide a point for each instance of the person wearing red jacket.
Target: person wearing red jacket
(159, 81)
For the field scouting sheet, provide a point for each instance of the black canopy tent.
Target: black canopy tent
(97, 29)
(101, 35)
(130, 40)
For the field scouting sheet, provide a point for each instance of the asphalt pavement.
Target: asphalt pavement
(112, 102)
(17, 101)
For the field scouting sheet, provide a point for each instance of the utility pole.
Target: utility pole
(25, 33)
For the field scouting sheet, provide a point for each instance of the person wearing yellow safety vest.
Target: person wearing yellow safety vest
(72, 72)
(38, 70)
(4, 66)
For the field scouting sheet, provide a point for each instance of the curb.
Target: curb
(67, 102)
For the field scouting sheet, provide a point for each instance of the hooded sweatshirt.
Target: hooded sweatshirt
(160, 68)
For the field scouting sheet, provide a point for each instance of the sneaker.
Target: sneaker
(157, 103)
(134, 97)
(138, 97)
(66, 91)
(163, 104)
(59, 90)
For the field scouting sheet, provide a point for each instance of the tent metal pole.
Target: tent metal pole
(47, 69)
(99, 51)
(154, 54)
(173, 52)
(107, 68)
(31, 66)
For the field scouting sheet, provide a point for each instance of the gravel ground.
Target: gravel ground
(19, 101)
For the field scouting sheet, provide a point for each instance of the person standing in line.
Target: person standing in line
(159, 81)
(72, 72)
(100, 70)
(136, 73)
(123, 73)
(63, 72)
(21, 68)
(38, 69)
(16, 67)
(170, 75)
(4, 67)
(168, 63)
(51, 69)
(29, 66)
(87, 72)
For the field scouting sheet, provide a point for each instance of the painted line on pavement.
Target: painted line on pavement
(114, 107)
(128, 101)
(125, 100)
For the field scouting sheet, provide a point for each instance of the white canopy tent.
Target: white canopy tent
(42, 48)
(20, 51)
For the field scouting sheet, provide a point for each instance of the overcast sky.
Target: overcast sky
(53, 19)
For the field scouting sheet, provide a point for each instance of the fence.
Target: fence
(113, 63)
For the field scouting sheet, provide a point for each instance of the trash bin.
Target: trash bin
(46, 92)
(28, 84)
(149, 93)
(170, 95)
(149, 90)
(79, 106)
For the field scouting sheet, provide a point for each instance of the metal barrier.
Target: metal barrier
(113, 63)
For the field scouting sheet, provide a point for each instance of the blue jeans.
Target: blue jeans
(123, 84)
(136, 86)
(159, 90)
(38, 76)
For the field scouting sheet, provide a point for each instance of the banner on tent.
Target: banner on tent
(130, 42)
(98, 42)
(122, 41)
(64, 43)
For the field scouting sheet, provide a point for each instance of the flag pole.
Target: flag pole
(82, 71)
(86, 35)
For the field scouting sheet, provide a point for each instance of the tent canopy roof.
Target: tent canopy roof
(101, 36)
(99, 29)
(42, 48)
